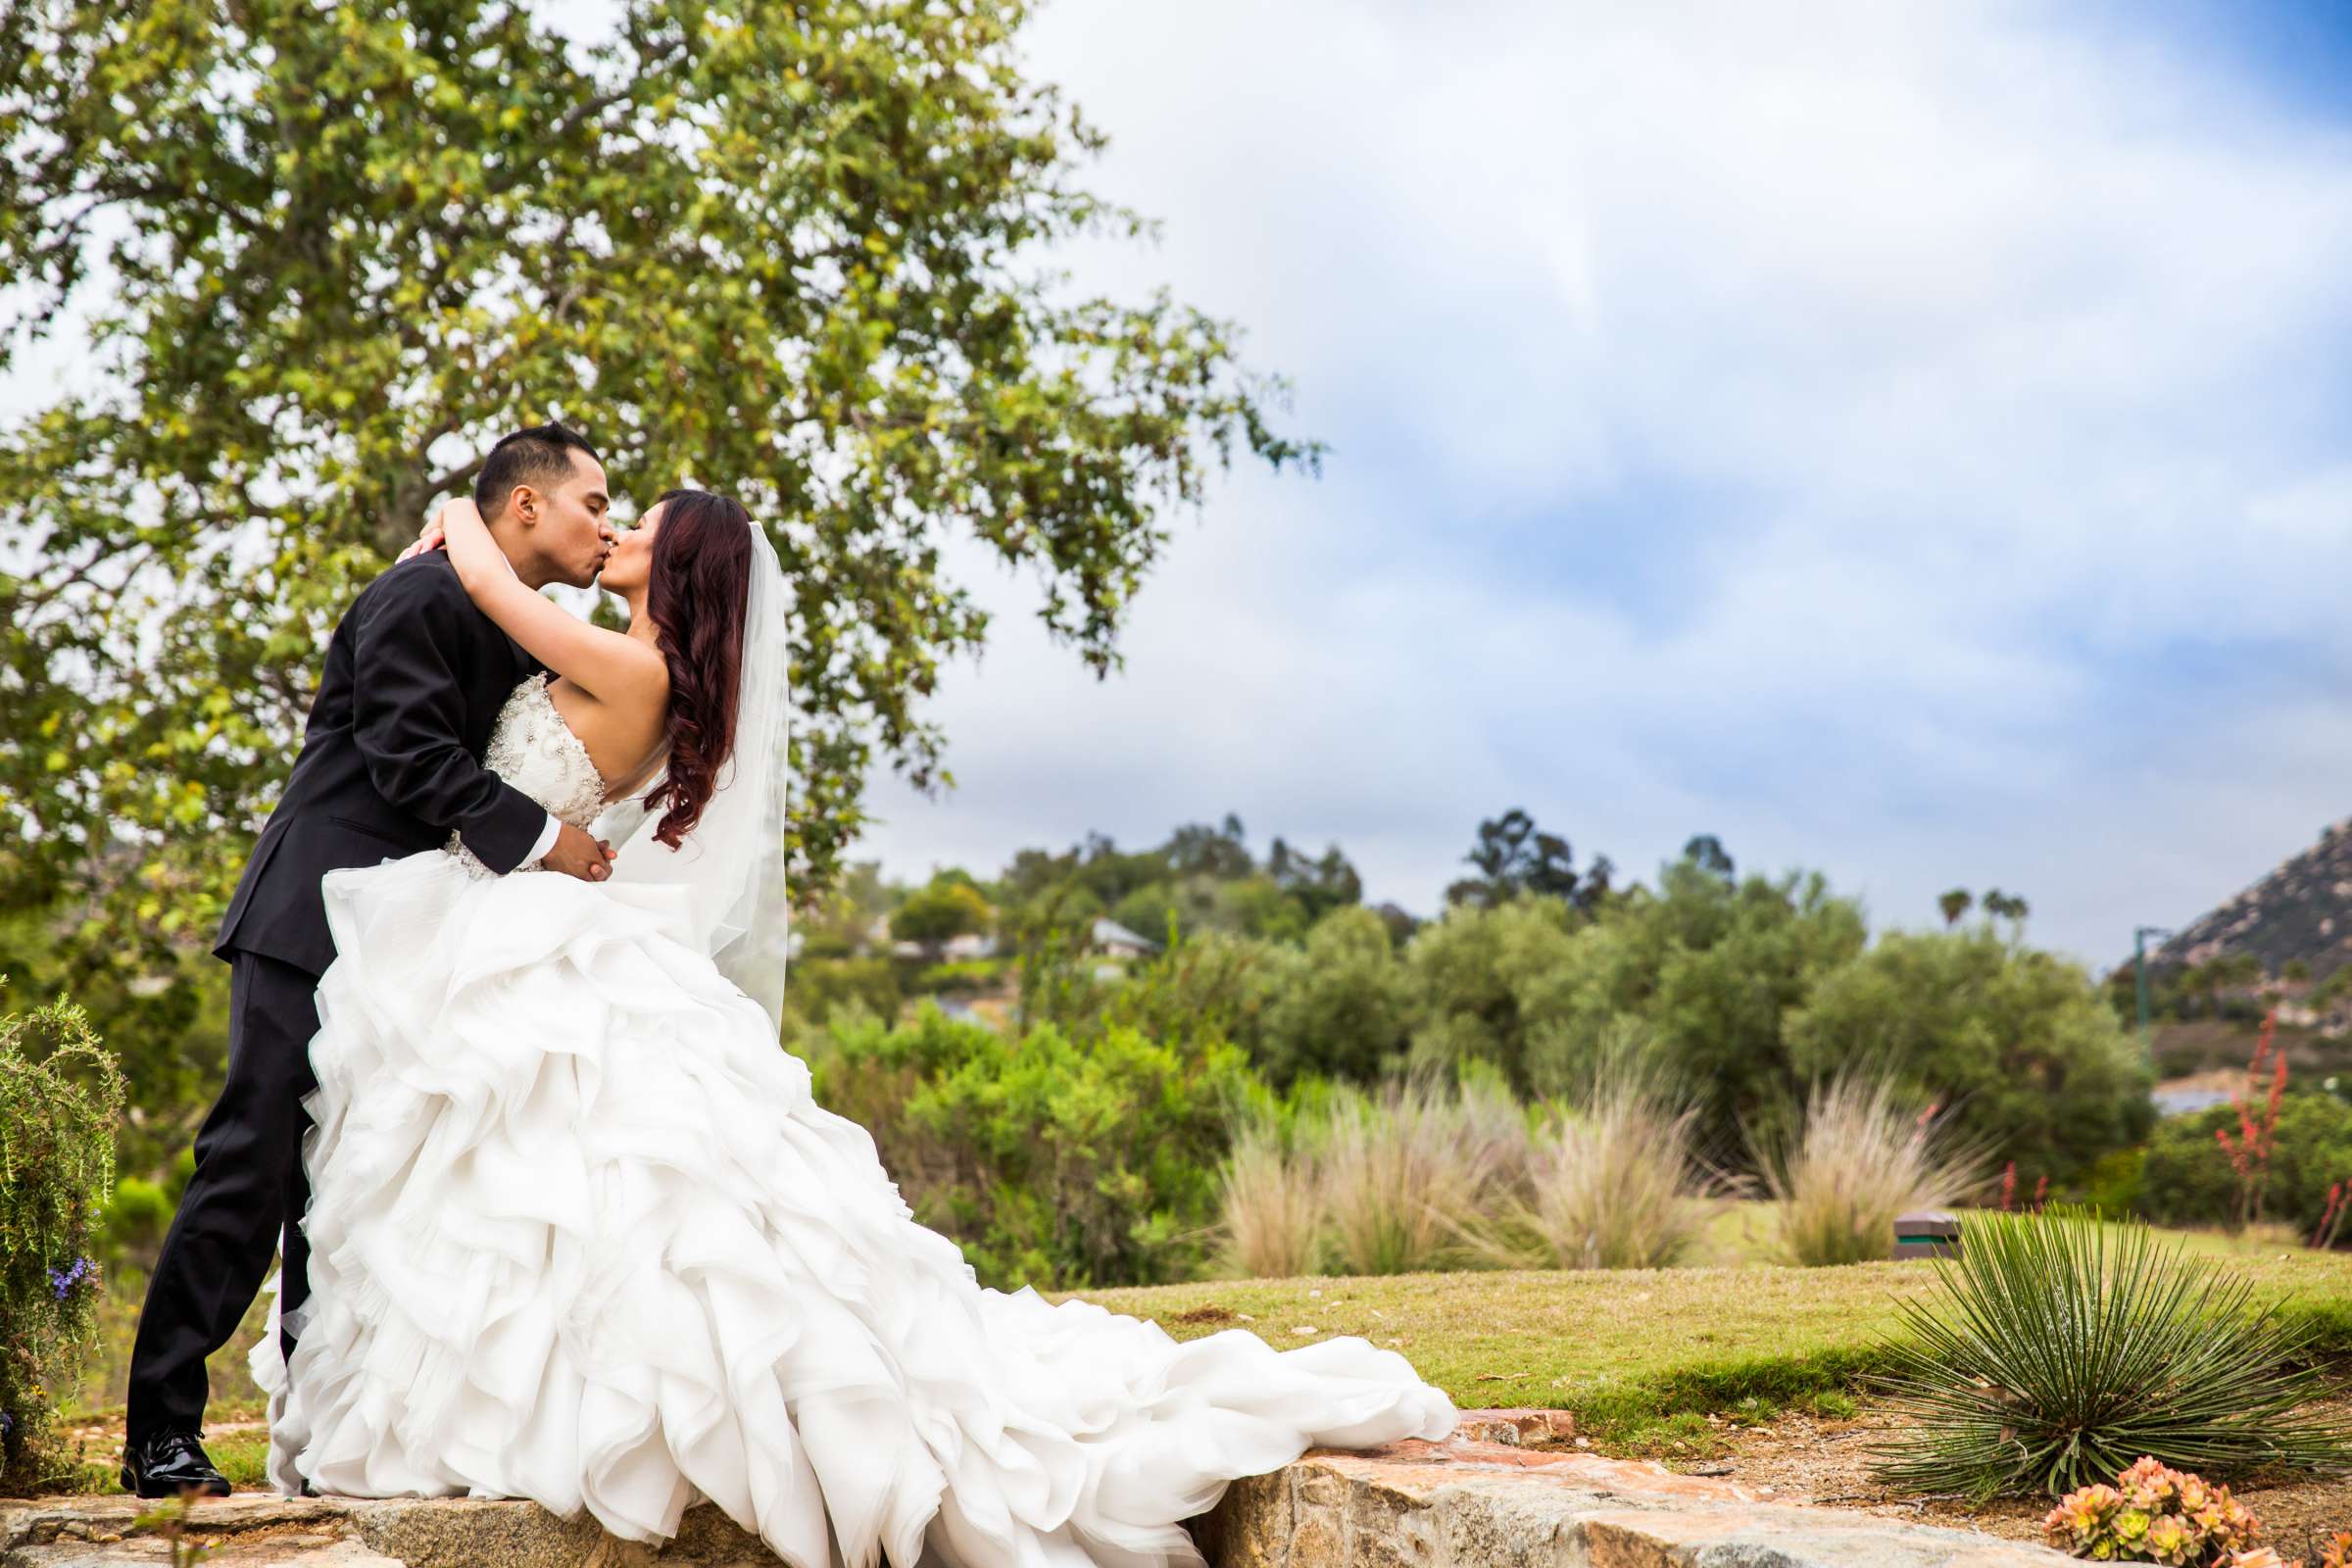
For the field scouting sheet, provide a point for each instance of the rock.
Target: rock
(1472, 1503)
(1518, 1428)
(1484, 1497)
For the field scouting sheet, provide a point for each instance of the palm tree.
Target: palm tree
(2010, 906)
(1955, 906)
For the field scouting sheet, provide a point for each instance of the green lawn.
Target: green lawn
(1641, 1354)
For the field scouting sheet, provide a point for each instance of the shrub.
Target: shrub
(863, 1068)
(2189, 1180)
(1865, 1155)
(1214, 985)
(1066, 1164)
(946, 907)
(1472, 971)
(1344, 1009)
(963, 975)
(1612, 1182)
(2060, 1349)
(1705, 969)
(2154, 1514)
(136, 1218)
(1411, 1172)
(2018, 1042)
(58, 1110)
(1737, 960)
(823, 987)
(2113, 1183)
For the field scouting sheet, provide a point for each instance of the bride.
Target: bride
(579, 1233)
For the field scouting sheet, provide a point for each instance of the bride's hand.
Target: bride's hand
(431, 537)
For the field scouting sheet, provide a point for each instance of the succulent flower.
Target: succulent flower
(2173, 1540)
(2154, 1513)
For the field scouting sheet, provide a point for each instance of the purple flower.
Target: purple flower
(63, 1280)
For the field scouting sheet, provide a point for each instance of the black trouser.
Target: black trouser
(248, 1190)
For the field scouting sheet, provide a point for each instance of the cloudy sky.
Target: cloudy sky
(1909, 441)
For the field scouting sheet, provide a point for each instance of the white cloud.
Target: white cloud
(1942, 387)
(1904, 440)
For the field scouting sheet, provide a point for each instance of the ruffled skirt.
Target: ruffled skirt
(579, 1233)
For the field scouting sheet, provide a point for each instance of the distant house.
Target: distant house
(971, 945)
(1112, 939)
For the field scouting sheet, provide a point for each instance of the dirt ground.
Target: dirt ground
(1804, 1459)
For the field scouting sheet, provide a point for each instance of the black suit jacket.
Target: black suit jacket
(414, 678)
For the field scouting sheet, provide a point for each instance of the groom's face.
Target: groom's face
(569, 529)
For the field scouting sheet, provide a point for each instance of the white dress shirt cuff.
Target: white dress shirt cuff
(547, 839)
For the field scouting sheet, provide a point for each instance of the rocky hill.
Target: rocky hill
(2303, 910)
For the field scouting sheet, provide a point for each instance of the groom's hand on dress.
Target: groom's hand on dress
(576, 854)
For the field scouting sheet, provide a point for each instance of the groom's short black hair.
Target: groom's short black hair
(540, 456)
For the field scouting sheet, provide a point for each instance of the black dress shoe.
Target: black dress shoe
(168, 1463)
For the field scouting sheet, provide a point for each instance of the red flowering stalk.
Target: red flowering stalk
(2041, 1192)
(2250, 1150)
(2332, 1220)
(2009, 1188)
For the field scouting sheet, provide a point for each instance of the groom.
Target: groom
(389, 765)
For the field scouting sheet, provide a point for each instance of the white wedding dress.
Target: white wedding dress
(579, 1233)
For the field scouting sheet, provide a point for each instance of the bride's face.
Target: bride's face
(630, 566)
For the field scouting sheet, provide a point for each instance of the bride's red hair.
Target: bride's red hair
(698, 590)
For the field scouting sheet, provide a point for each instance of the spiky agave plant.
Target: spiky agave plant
(2060, 1349)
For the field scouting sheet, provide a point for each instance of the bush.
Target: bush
(2114, 1183)
(61, 1093)
(2061, 1350)
(1473, 972)
(136, 1218)
(2188, 1179)
(823, 987)
(1704, 971)
(164, 1016)
(1738, 960)
(2019, 1043)
(1341, 1010)
(863, 1068)
(1865, 1157)
(1064, 1163)
(964, 975)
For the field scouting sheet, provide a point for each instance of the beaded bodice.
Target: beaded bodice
(532, 749)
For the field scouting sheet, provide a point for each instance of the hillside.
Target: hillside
(2302, 910)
